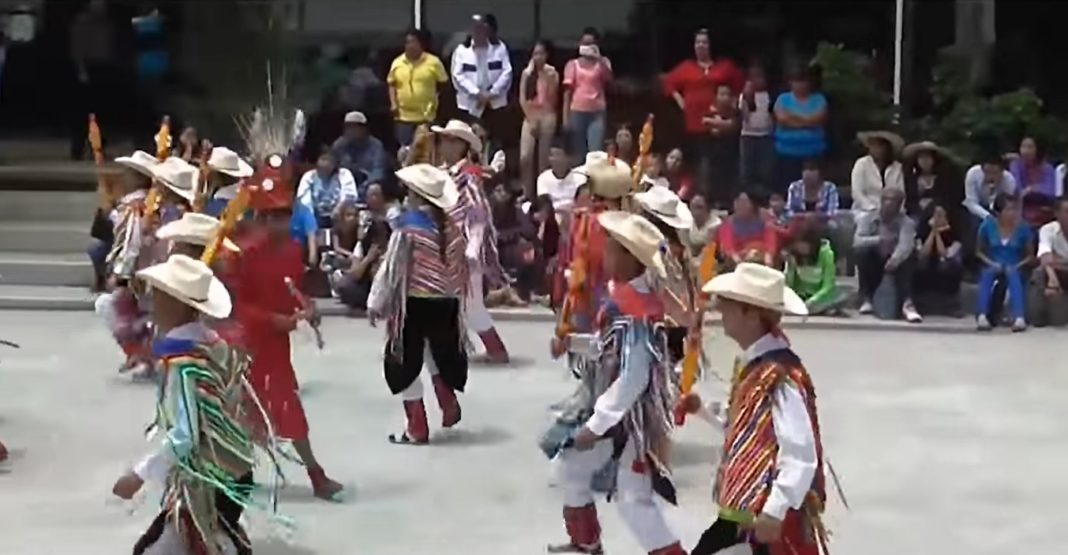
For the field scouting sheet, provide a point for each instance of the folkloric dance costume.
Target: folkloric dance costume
(419, 290)
(625, 398)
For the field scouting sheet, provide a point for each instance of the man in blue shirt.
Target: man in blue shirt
(361, 153)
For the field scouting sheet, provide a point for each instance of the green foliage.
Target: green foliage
(856, 101)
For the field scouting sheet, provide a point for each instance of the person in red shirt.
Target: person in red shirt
(692, 84)
(268, 312)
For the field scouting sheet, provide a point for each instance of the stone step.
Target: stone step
(44, 237)
(53, 176)
(41, 297)
(63, 206)
(18, 268)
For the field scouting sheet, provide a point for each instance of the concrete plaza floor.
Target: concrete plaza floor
(944, 443)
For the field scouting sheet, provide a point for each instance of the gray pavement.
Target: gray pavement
(944, 443)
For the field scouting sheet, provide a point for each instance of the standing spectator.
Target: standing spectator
(693, 84)
(877, 170)
(722, 149)
(482, 71)
(92, 51)
(811, 273)
(705, 224)
(1004, 249)
(939, 266)
(930, 180)
(360, 153)
(537, 97)
(800, 117)
(758, 123)
(884, 245)
(414, 79)
(1048, 304)
(746, 236)
(585, 80)
(558, 182)
(982, 184)
(678, 175)
(1036, 180)
(323, 189)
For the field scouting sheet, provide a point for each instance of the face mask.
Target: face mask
(588, 51)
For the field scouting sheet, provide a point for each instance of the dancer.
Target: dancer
(472, 211)
(419, 289)
(672, 217)
(624, 418)
(770, 483)
(191, 234)
(268, 312)
(206, 456)
(226, 170)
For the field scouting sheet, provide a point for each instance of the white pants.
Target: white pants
(635, 500)
(477, 316)
(414, 392)
(105, 308)
(170, 543)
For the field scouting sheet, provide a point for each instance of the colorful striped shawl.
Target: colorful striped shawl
(472, 210)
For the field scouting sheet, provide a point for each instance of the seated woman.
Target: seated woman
(1004, 249)
(705, 225)
(746, 236)
(810, 272)
(354, 286)
(517, 245)
(939, 265)
(543, 217)
(1036, 181)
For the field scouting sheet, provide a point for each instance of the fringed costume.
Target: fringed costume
(625, 398)
(680, 299)
(124, 312)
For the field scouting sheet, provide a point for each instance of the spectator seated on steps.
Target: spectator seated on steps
(747, 235)
(323, 189)
(1004, 248)
(885, 249)
(939, 263)
(811, 273)
(1047, 300)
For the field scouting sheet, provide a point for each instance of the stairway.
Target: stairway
(45, 213)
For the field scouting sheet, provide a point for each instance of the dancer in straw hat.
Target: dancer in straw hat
(206, 456)
(458, 142)
(419, 290)
(618, 427)
(191, 234)
(770, 484)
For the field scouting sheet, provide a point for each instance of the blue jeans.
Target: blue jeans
(988, 278)
(98, 253)
(757, 163)
(405, 131)
(587, 133)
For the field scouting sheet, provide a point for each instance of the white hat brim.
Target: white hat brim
(243, 170)
(450, 194)
(682, 219)
(217, 305)
(728, 287)
(654, 261)
(134, 165)
(187, 194)
(468, 137)
(173, 232)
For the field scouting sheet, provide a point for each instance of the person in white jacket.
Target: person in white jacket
(876, 171)
(481, 69)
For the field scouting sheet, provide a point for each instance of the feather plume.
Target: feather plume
(271, 128)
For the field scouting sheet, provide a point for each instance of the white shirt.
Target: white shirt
(979, 195)
(1051, 240)
(1062, 170)
(560, 190)
(758, 123)
(867, 183)
(473, 68)
(345, 179)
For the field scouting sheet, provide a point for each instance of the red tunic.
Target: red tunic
(260, 294)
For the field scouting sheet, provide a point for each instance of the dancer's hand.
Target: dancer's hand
(689, 403)
(283, 323)
(372, 317)
(557, 348)
(127, 486)
(585, 439)
(767, 529)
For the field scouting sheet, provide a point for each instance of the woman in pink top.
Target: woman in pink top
(585, 81)
(537, 98)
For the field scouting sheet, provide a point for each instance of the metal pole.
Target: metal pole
(899, 31)
(417, 6)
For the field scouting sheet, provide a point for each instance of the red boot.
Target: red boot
(416, 431)
(322, 486)
(496, 353)
(450, 405)
(3, 453)
(673, 549)
(583, 529)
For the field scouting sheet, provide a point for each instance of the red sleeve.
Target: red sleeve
(726, 240)
(686, 188)
(674, 79)
(771, 237)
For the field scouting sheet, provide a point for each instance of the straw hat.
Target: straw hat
(895, 140)
(355, 117)
(914, 149)
(191, 282)
(431, 183)
(609, 182)
(178, 175)
(667, 206)
(638, 235)
(196, 229)
(460, 130)
(757, 285)
(140, 161)
(595, 159)
(224, 160)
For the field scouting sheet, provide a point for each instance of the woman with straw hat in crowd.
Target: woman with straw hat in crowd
(770, 483)
(621, 422)
(472, 211)
(419, 290)
(877, 170)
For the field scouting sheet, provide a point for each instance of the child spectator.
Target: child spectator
(654, 173)
(939, 263)
(558, 182)
(810, 272)
(1004, 249)
(705, 224)
(722, 123)
(757, 144)
(678, 175)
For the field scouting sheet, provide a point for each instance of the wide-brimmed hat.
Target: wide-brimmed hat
(191, 282)
(196, 229)
(639, 236)
(460, 130)
(355, 117)
(140, 161)
(611, 182)
(224, 160)
(431, 183)
(179, 176)
(598, 158)
(667, 206)
(895, 140)
(757, 285)
(912, 150)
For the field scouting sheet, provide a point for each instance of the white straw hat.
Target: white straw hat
(757, 285)
(638, 235)
(355, 117)
(895, 140)
(191, 282)
(431, 183)
(667, 206)
(460, 130)
(598, 158)
(179, 176)
(196, 229)
(140, 161)
(224, 160)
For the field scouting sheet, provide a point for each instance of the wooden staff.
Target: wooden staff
(163, 149)
(315, 320)
(691, 361)
(105, 187)
(231, 214)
